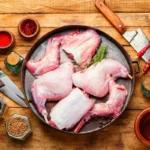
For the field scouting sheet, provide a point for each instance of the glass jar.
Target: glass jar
(145, 87)
(25, 134)
(14, 62)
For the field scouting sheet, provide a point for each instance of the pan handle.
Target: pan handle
(138, 66)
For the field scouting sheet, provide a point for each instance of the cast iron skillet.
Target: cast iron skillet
(115, 51)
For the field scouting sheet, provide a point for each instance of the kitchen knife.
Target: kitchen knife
(136, 38)
(6, 80)
(8, 92)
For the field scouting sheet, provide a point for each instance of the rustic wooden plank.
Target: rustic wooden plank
(138, 101)
(52, 14)
(109, 30)
(71, 6)
(47, 6)
(129, 6)
(118, 136)
(93, 19)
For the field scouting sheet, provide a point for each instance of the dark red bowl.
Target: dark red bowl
(143, 118)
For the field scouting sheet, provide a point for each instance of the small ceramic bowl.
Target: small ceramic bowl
(5, 49)
(26, 36)
(142, 126)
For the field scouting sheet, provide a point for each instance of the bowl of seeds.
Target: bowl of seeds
(18, 127)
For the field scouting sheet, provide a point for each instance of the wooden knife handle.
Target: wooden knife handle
(111, 16)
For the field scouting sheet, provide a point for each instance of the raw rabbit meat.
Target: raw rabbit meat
(52, 86)
(50, 61)
(95, 79)
(112, 107)
(68, 112)
(114, 103)
(81, 47)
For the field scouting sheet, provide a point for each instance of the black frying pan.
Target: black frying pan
(115, 51)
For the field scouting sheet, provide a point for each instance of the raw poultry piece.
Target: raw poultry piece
(81, 47)
(68, 112)
(50, 61)
(95, 79)
(52, 86)
(112, 107)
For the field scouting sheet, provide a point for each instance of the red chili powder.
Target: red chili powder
(28, 27)
(5, 39)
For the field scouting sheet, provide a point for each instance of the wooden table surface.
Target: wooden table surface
(55, 13)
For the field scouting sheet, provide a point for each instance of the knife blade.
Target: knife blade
(136, 38)
(138, 41)
(8, 92)
(7, 81)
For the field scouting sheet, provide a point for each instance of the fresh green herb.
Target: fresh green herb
(100, 54)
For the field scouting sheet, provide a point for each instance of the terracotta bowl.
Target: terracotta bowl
(141, 125)
(10, 46)
(28, 37)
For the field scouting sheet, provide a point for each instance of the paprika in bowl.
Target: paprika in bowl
(7, 41)
(28, 28)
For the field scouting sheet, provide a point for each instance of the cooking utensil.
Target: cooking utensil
(115, 51)
(10, 89)
(136, 38)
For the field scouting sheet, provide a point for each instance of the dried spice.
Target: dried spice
(13, 59)
(17, 126)
(14, 62)
(5, 39)
(28, 27)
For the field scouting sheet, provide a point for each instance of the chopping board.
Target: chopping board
(52, 14)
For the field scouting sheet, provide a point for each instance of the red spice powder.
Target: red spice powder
(28, 27)
(5, 39)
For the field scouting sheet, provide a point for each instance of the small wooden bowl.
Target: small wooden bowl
(138, 127)
(25, 36)
(5, 49)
